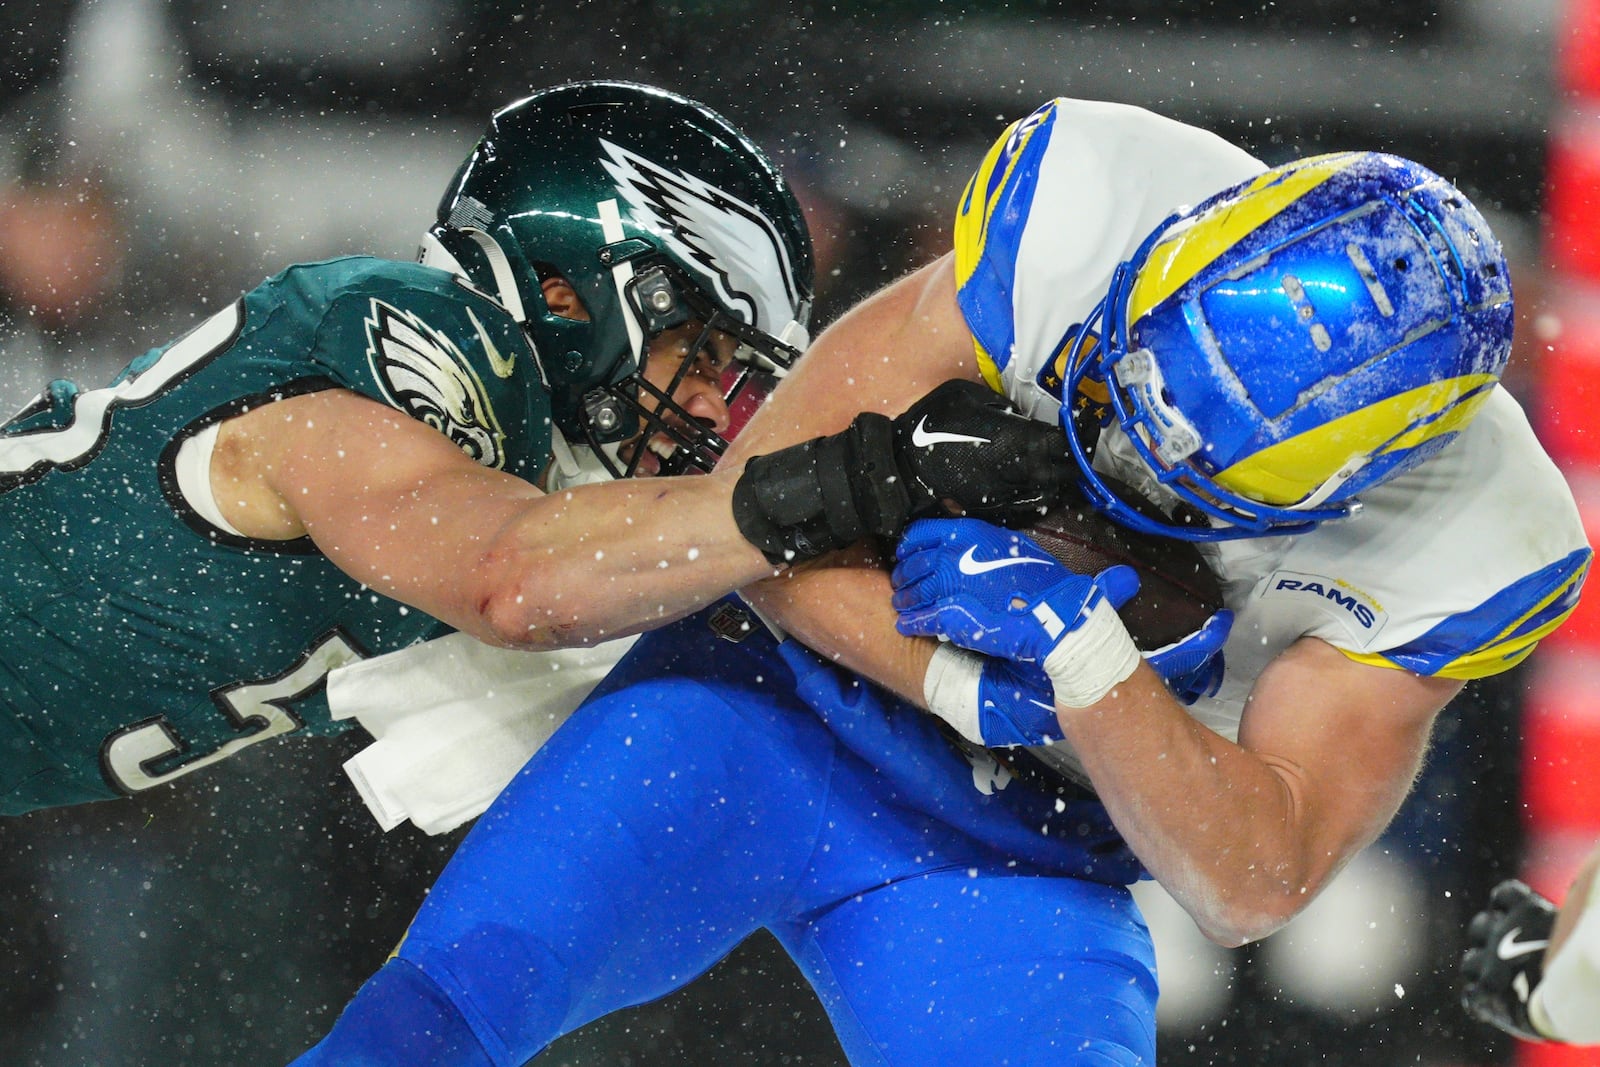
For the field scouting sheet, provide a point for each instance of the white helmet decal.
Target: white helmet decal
(736, 248)
(423, 374)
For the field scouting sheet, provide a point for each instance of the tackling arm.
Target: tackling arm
(883, 355)
(394, 504)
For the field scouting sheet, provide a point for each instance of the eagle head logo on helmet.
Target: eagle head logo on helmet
(1297, 339)
(658, 213)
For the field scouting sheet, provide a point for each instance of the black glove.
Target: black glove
(1505, 960)
(962, 443)
(966, 444)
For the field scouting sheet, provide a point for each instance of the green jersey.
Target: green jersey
(140, 640)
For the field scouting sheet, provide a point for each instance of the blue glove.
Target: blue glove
(999, 703)
(1192, 667)
(996, 591)
(1015, 705)
(992, 702)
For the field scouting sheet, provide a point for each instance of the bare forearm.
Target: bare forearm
(1215, 824)
(1245, 835)
(839, 607)
(607, 560)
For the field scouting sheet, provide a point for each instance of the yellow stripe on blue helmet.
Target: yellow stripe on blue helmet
(1280, 473)
(1298, 338)
(1197, 241)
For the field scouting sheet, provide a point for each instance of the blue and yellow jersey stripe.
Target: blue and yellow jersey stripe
(1499, 633)
(990, 220)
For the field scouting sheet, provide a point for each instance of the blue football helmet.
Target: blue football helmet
(659, 213)
(1292, 341)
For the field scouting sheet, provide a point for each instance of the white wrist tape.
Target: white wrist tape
(1563, 1003)
(950, 689)
(1093, 659)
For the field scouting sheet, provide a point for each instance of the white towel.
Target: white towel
(454, 719)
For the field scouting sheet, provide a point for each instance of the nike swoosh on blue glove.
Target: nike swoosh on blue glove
(994, 590)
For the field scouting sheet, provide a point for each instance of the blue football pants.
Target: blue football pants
(708, 790)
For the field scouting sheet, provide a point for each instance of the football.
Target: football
(1178, 591)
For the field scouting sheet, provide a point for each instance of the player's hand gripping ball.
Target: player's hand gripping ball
(1178, 591)
(996, 591)
(1051, 631)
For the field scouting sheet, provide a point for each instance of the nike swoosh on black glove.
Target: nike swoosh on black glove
(1504, 962)
(968, 445)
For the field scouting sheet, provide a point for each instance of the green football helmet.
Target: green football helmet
(659, 213)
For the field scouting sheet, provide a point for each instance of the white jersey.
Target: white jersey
(1454, 569)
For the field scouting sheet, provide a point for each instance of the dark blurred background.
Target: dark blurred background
(161, 157)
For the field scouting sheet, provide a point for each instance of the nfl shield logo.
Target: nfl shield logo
(731, 622)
